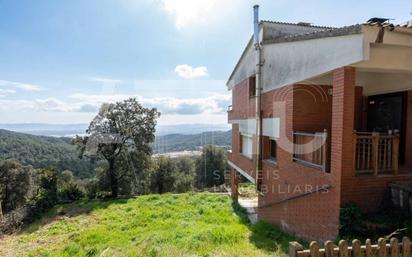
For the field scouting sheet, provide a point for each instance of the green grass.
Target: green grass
(200, 224)
(247, 190)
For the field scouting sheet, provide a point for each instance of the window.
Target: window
(252, 86)
(246, 145)
(273, 148)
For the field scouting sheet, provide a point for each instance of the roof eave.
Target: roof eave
(229, 87)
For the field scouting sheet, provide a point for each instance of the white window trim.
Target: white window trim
(249, 154)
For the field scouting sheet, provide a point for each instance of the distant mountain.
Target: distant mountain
(188, 129)
(44, 152)
(58, 152)
(44, 129)
(69, 130)
(180, 142)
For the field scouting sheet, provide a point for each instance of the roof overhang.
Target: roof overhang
(290, 59)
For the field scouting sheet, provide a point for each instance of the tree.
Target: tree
(185, 175)
(117, 130)
(163, 176)
(14, 184)
(211, 167)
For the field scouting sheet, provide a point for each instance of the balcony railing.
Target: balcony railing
(375, 153)
(311, 149)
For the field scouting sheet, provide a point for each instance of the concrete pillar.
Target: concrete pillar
(234, 184)
(343, 113)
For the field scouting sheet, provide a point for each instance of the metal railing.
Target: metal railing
(311, 149)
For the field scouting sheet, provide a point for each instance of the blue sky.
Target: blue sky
(59, 60)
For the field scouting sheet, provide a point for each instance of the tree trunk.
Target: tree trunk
(114, 183)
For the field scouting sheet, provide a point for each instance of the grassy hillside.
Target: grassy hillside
(180, 142)
(190, 224)
(43, 152)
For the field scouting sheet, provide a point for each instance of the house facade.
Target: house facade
(331, 123)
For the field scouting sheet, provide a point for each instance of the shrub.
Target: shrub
(70, 192)
(46, 196)
(92, 188)
(350, 219)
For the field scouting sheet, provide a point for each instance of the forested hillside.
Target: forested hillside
(44, 152)
(179, 142)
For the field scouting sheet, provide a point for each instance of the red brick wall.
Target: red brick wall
(236, 157)
(243, 106)
(368, 191)
(310, 217)
(312, 108)
(315, 216)
(360, 117)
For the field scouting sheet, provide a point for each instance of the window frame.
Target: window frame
(242, 144)
(275, 157)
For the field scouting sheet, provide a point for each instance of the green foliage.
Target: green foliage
(14, 184)
(211, 167)
(350, 219)
(46, 195)
(44, 152)
(193, 224)
(176, 175)
(185, 175)
(91, 187)
(117, 130)
(70, 191)
(181, 142)
(164, 175)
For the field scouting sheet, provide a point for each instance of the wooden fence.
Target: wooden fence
(393, 248)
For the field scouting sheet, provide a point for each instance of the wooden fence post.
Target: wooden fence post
(406, 247)
(381, 247)
(355, 142)
(343, 248)
(368, 248)
(375, 152)
(329, 248)
(394, 247)
(294, 247)
(314, 249)
(356, 248)
(395, 155)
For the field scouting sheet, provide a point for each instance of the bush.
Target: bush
(70, 192)
(46, 196)
(91, 187)
(350, 219)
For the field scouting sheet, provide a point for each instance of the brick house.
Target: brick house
(331, 125)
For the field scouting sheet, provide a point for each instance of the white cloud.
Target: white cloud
(213, 104)
(188, 72)
(189, 12)
(7, 91)
(52, 105)
(106, 80)
(19, 85)
(83, 103)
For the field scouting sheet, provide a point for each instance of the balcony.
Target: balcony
(311, 149)
(375, 153)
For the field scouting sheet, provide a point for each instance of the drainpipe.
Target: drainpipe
(258, 113)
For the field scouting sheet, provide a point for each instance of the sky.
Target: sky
(60, 60)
